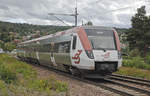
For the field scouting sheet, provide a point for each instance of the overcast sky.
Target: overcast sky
(100, 12)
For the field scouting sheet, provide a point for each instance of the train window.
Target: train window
(63, 47)
(67, 47)
(52, 45)
(44, 48)
(101, 39)
(74, 42)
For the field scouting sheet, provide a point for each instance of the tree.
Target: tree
(89, 23)
(1, 44)
(139, 35)
(9, 46)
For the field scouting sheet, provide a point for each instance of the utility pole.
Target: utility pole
(82, 23)
(75, 15)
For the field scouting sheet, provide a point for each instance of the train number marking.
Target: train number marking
(77, 57)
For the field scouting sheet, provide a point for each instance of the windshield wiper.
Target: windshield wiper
(92, 43)
(101, 49)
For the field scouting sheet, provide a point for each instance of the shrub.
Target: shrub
(134, 53)
(24, 69)
(40, 85)
(135, 72)
(47, 85)
(136, 62)
(60, 86)
(147, 59)
(3, 89)
(6, 74)
(16, 74)
(17, 67)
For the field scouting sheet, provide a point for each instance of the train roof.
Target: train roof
(64, 32)
(98, 27)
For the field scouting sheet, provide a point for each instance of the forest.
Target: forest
(13, 33)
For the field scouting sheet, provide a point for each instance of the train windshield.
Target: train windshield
(101, 39)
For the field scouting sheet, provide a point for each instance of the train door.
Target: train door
(74, 53)
(37, 51)
(44, 54)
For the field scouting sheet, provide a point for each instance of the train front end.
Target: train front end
(105, 49)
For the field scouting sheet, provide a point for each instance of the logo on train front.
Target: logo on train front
(106, 55)
(77, 57)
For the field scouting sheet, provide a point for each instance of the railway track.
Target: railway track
(134, 86)
(133, 90)
(131, 79)
(108, 84)
(86, 81)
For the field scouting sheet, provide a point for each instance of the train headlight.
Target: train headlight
(119, 55)
(89, 54)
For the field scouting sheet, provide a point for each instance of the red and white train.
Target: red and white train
(86, 50)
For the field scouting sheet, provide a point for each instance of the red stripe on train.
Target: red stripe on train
(117, 40)
(84, 39)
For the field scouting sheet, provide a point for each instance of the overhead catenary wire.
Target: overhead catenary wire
(123, 8)
(119, 9)
(91, 17)
(75, 15)
(61, 20)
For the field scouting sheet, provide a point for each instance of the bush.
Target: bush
(16, 66)
(3, 89)
(47, 85)
(60, 86)
(136, 62)
(134, 53)
(16, 74)
(147, 59)
(6, 74)
(24, 69)
(135, 72)
(9, 46)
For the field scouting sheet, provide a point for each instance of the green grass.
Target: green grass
(20, 79)
(135, 72)
(136, 67)
(10, 68)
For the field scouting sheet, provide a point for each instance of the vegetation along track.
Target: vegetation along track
(111, 83)
(100, 83)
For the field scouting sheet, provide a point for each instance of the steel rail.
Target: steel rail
(127, 86)
(133, 78)
(130, 80)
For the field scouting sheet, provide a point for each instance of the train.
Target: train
(86, 51)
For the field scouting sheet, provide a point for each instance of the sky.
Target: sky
(112, 13)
